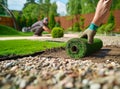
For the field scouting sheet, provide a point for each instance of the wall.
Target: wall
(6, 21)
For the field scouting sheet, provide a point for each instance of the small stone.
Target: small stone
(14, 68)
(8, 65)
(69, 85)
(59, 76)
(116, 87)
(85, 82)
(95, 86)
(23, 84)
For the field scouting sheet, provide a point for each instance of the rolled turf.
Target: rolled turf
(79, 47)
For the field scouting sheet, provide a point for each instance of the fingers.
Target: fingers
(90, 39)
(108, 2)
(84, 35)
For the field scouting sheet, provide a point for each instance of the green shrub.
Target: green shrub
(106, 28)
(101, 29)
(51, 23)
(57, 32)
(76, 27)
(109, 27)
(57, 24)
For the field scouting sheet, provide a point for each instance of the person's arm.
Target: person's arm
(102, 9)
(46, 29)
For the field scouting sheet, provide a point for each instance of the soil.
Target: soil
(106, 54)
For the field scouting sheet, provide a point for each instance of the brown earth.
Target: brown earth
(106, 54)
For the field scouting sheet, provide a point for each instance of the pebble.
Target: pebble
(14, 68)
(95, 86)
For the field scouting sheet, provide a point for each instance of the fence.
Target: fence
(6, 21)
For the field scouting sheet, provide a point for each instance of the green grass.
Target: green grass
(9, 31)
(24, 47)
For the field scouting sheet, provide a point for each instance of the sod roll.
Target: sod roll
(79, 47)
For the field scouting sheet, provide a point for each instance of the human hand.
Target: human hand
(102, 9)
(89, 34)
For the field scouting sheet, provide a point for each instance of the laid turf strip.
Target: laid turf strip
(79, 47)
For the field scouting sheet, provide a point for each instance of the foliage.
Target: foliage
(2, 10)
(106, 28)
(111, 18)
(28, 16)
(52, 21)
(8, 31)
(86, 6)
(115, 5)
(101, 29)
(57, 24)
(73, 7)
(81, 6)
(24, 47)
(57, 32)
(53, 9)
(109, 27)
(76, 27)
(31, 1)
(33, 11)
(82, 21)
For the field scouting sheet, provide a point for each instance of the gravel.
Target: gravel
(53, 73)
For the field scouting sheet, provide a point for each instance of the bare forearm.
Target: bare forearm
(102, 10)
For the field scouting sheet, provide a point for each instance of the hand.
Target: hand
(102, 9)
(89, 34)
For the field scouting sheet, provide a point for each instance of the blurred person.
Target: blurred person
(40, 26)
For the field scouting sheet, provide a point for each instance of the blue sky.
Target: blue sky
(18, 5)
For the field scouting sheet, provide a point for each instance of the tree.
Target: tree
(53, 9)
(2, 10)
(87, 6)
(115, 5)
(28, 16)
(73, 7)
(109, 26)
(51, 20)
(81, 6)
(111, 18)
(82, 21)
(30, 1)
(31, 10)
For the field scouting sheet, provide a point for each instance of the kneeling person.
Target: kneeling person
(39, 27)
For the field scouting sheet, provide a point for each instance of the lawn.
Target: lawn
(9, 31)
(24, 47)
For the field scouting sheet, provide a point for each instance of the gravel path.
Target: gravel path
(52, 71)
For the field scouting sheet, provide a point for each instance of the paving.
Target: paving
(107, 40)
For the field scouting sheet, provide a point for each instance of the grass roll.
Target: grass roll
(79, 47)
